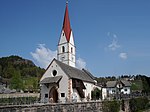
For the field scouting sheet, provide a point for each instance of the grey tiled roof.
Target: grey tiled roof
(126, 83)
(50, 80)
(111, 84)
(75, 73)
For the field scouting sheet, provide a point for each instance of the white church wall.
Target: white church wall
(60, 48)
(75, 96)
(63, 38)
(44, 93)
(68, 56)
(48, 73)
(63, 84)
(71, 39)
(63, 87)
(89, 88)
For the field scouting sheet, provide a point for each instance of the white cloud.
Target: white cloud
(114, 44)
(80, 63)
(109, 34)
(114, 35)
(43, 56)
(123, 56)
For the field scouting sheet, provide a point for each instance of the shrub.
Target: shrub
(138, 104)
(96, 94)
(18, 100)
(110, 106)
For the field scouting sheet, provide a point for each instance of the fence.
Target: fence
(18, 98)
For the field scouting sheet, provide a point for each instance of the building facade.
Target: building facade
(62, 81)
(116, 89)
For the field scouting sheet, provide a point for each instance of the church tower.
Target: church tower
(66, 47)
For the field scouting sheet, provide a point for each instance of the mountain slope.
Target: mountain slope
(19, 73)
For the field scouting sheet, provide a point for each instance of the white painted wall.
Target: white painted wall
(63, 84)
(62, 38)
(125, 90)
(67, 57)
(44, 90)
(104, 93)
(63, 87)
(75, 96)
(89, 88)
(110, 90)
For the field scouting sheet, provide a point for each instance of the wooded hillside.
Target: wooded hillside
(19, 73)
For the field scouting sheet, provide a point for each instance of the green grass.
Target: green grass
(30, 83)
(137, 85)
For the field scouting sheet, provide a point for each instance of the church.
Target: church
(62, 81)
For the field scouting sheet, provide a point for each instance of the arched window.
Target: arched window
(63, 49)
(71, 50)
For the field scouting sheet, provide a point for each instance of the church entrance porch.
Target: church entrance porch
(49, 90)
(53, 95)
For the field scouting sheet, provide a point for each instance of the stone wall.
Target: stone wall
(59, 107)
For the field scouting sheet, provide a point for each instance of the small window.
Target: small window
(71, 50)
(72, 58)
(62, 94)
(113, 91)
(63, 49)
(125, 89)
(46, 95)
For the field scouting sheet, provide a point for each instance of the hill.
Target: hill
(19, 73)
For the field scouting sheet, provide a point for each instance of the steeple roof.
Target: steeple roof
(66, 24)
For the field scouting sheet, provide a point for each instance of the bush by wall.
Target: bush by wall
(18, 100)
(110, 106)
(138, 104)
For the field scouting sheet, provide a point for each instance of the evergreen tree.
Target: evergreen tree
(0, 70)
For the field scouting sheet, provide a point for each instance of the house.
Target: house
(62, 81)
(116, 89)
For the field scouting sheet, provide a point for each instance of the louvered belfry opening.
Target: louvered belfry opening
(79, 86)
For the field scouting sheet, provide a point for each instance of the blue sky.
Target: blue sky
(112, 37)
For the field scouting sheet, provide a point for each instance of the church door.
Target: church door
(53, 94)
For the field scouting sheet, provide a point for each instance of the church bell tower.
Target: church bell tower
(66, 47)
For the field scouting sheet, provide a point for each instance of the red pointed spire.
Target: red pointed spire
(66, 24)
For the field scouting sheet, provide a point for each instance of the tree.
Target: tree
(16, 82)
(35, 84)
(8, 71)
(96, 94)
(0, 70)
(138, 104)
(110, 106)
